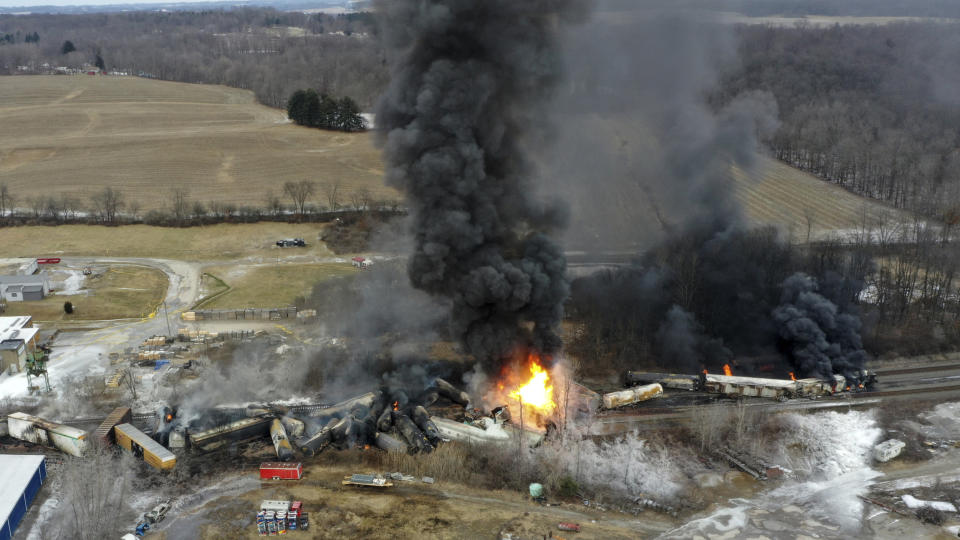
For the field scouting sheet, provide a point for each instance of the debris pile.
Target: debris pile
(394, 422)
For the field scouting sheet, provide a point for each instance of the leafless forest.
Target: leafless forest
(269, 52)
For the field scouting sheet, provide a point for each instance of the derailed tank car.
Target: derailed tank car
(234, 432)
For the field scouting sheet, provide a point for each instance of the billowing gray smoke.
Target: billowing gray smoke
(656, 142)
(821, 340)
(469, 80)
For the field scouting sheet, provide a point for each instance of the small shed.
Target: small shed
(21, 477)
(361, 262)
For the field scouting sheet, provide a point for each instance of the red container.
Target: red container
(569, 527)
(278, 470)
(49, 260)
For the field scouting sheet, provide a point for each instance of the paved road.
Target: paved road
(77, 354)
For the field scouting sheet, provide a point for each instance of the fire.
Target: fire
(396, 405)
(727, 371)
(705, 372)
(537, 392)
(792, 376)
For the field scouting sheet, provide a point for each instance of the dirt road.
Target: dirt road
(408, 510)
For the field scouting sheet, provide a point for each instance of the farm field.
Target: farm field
(270, 285)
(78, 134)
(776, 194)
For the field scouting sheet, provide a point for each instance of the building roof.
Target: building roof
(34, 279)
(14, 323)
(32, 288)
(10, 344)
(26, 334)
(16, 471)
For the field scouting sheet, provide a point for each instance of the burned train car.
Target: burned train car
(142, 446)
(25, 427)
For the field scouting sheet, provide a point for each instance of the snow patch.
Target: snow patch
(43, 515)
(71, 285)
(828, 444)
(628, 465)
(913, 502)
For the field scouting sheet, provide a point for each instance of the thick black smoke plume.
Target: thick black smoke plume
(469, 80)
(821, 340)
(659, 143)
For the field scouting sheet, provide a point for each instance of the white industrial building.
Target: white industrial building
(18, 337)
(21, 477)
(20, 288)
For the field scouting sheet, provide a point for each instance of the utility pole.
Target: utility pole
(166, 315)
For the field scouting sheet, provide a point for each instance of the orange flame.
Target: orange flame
(705, 372)
(727, 371)
(792, 376)
(848, 388)
(396, 405)
(537, 392)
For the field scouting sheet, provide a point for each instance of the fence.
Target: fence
(249, 314)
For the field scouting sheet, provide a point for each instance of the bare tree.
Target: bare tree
(69, 206)
(180, 205)
(6, 200)
(129, 382)
(94, 491)
(134, 208)
(808, 216)
(332, 192)
(198, 210)
(299, 192)
(274, 206)
(107, 203)
(361, 199)
(37, 205)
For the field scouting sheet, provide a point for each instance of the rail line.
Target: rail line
(907, 391)
(921, 369)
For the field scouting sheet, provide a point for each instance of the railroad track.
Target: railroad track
(919, 369)
(906, 391)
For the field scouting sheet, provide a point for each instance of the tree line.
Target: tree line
(309, 108)
(269, 52)
(305, 200)
(873, 108)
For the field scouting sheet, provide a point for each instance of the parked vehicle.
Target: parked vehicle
(291, 242)
(158, 513)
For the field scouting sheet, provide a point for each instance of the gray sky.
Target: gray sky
(27, 3)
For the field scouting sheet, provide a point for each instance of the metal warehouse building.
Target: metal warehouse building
(21, 477)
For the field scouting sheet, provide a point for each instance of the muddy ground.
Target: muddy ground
(407, 510)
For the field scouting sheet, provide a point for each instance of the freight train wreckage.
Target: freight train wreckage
(389, 419)
(385, 419)
(738, 386)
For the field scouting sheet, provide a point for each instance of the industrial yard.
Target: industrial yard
(417, 437)
(643, 275)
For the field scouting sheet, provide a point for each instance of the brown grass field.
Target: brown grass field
(78, 134)
(119, 292)
(270, 285)
(211, 242)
